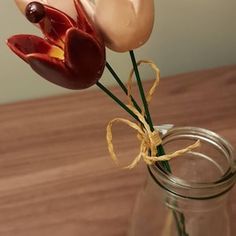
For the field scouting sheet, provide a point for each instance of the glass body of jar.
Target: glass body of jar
(192, 200)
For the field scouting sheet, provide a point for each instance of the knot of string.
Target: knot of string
(149, 140)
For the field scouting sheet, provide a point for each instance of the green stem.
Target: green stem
(160, 149)
(165, 164)
(177, 223)
(117, 100)
(121, 84)
(141, 90)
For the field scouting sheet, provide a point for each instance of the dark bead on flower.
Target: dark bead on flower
(35, 12)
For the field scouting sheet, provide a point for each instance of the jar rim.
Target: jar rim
(177, 184)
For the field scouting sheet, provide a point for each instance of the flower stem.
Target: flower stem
(121, 84)
(117, 100)
(165, 164)
(160, 148)
(141, 90)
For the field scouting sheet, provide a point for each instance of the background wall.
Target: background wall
(188, 35)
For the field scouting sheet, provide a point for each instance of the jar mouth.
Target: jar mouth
(207, 188)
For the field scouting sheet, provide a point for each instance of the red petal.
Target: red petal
(55, 71)
(55, 24)
(23, 45)
(85, 56)
(83, 21)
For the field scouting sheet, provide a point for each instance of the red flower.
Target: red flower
(72, 54)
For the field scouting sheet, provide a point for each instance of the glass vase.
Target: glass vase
(192, 200)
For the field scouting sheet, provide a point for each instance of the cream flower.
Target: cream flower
(124, 24)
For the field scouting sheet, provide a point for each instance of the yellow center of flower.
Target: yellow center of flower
(56, 52)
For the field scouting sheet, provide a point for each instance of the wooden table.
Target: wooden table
(56, 177)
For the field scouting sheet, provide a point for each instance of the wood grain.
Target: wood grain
(56, 177)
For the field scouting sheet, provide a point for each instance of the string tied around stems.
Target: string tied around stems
(149, 140)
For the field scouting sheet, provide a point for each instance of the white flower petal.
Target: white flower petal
(124, 24)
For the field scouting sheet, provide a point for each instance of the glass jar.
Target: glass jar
(193, 199)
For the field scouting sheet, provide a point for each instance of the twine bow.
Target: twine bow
(149, 140)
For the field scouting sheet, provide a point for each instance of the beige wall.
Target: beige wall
(189, 35)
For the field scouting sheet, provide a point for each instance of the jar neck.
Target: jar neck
(215, 159)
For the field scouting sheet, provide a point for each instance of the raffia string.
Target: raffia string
(149, 141)
(154, 85)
